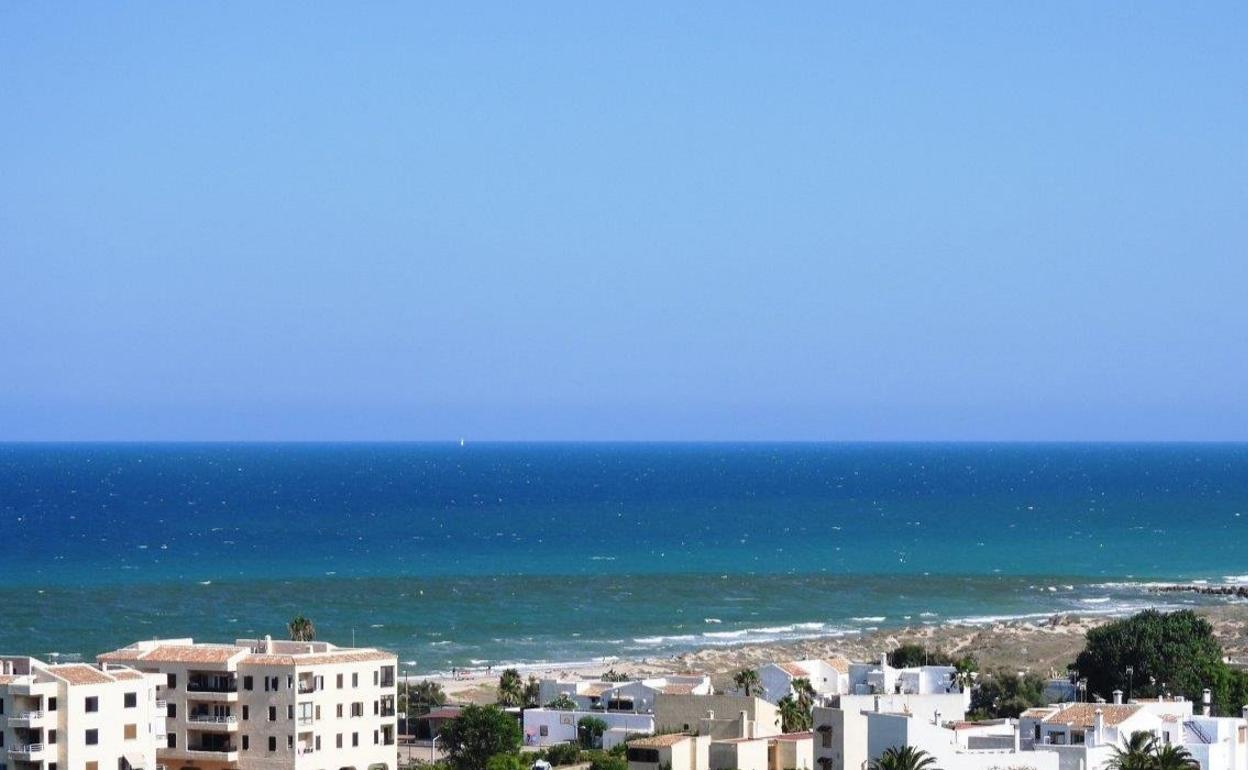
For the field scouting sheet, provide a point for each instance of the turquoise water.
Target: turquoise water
(481, 554)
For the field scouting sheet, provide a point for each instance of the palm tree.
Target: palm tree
(1136, 753)
(748, 680)
(301, 629)
(417, 698)
(964, 672)
(532, 692)
(510, 688)
(804, 692)
(904, 758)
(793, 717)
(1171, 757)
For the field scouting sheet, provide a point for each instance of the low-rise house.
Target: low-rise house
(827, 676)
(636, 696)
(950, 743)
(841, 728)
(546, 727)
(717, 716)
(882, 679)
(677, 751)
(75, 716)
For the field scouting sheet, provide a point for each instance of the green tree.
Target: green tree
(964, 672)
(301, 629)
(612, 675)
(1003, 693)
(1172, 757)
(911, 655)
(532, 692)
(1176, 650)
(506, 762)
(793, 718)
(562, 703)
(904, 758)
(601, 760)
(510, 688)
(1137, 753)
(563, 754)
(748, 681)
(478, 733)
(589, 731)
(416, 698)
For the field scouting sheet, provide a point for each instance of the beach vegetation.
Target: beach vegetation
(506, 762)
(748, 681)
(910, 655)
(301, 629)
(904, 758)
(478, 733)
(563, 754)
(532, 692)
(611, 675)
(1006, 694)
(510, 688)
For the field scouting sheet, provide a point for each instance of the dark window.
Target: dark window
(290, 681)
(52, 737)
(246, 712)
(648, 756)
(318, 743)
(246, 742)
(340, 711)
(355, 680)
(266, 684)
(51, 704)
(93, 704)
(247, 683)
(130, 700)
(171, 740)
(171, 681)
(93, 737)
(290, 711)
(272, 743)
(173, 710)
(51, 766)
(355, 739)
(339, 740)
(340, 681)
(290, 741)
(376, 739)
(272, 713)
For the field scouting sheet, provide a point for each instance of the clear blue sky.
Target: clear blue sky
(624, 221)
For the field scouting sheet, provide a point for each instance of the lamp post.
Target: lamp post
(1130, 677)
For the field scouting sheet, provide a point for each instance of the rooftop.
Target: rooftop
(659, 741)
(80, 673)
(1084, 714)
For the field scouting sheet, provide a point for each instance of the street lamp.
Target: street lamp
(1130, 677)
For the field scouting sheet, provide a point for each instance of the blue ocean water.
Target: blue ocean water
(486, 553)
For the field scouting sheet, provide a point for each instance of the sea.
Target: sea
(479, 555)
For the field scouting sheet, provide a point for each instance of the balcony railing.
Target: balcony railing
(212, 685)
(305, 720)
(162, 705)
(29, 748)
(212, 719)
(26, 716)
(219, 749)
(307, 687)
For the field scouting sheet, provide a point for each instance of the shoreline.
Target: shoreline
(1041, 645)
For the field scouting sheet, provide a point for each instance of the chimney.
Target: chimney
(883, 659)
(1206, 698)
(1244, 712)
(936, 718)
(1098, 726)
(268, 643)
(1117, 697)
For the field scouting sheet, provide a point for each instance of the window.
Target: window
(376, 707)
(171, 681)
(51, 737)
(246, 742)
(376, 738)
(827, 736)
(355, 680)
(93, 704)
(318, 712)
(290, 681)
(376, 677)
(340, 711)
(51, 766)
(290, 711)
(340, 681)
(357, 709)
(355, 739)
(272, 743)
(272, 713)
(130, 700)
(171, 740)
(93, 737)
(129, 732)
(339, 740)
(51, 704)
(290, 741)
(543, 730)
(246, 712)
(318, 743)
(93, 766)
(266, 684)
(248, 683)
(172, 713)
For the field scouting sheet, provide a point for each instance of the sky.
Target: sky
(629, 221)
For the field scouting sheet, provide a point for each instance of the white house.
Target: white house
(635, 696)
(950, 746)
(882, 679)
(827, 676)
(841, 728)
(545, 727)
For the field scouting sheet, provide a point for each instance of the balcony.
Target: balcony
(22, 718)
(26, 751)
(162, 705)
(210, 721)
(307, 687)
(212, 684)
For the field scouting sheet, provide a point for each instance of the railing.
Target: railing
(307, 687)
(30, 748)
(212, 686)
(27, 715)
(213, 719)
(305, 720)
(227, 749)
(162, 705)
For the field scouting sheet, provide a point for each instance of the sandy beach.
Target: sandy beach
(1042, 646)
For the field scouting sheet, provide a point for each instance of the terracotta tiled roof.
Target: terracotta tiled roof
(125, 675)
(795, 736)
(676, 689)
(840, 664)
(80, 673)
(192, 653)
(343, 656)
(658, 741)
(1084, 714)
(267, 659)
(1040, 711)
(792, 669)
(598, 688)
(7, 679)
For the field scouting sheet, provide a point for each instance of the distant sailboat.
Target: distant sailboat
(461, 442)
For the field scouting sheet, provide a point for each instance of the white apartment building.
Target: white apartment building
(76, 716)
(841, 730)
(882, 679)
(271, 705)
